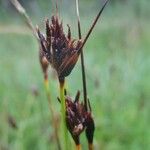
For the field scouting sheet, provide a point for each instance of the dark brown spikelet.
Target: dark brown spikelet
(78, 119)
(90, 128)
(44, 64)
(74, 118)
(60, 50)
(43, 61)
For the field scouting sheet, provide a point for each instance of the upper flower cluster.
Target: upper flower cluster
(61, 51)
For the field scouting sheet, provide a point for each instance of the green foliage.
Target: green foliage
(118, 75)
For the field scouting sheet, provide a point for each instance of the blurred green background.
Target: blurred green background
(117, 58)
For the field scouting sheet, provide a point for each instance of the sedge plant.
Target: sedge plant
(90, 143)
(62, 51)
(44, 65)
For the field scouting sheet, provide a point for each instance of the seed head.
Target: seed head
(60, 50)
(78, 119)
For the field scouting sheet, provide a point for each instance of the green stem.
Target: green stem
(82, 59)
(54, 122)
(63, 111)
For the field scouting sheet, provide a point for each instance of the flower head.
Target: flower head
(61, 51)
(78, 119)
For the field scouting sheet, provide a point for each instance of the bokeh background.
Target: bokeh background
(117, 58)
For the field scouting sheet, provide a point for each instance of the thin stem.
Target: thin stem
(82, 58)
(54, 122)
(23, 12)
(78, 147)
(90, 146)
(93, 25)
(63, 111)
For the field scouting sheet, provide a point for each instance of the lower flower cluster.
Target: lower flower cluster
(78, 119)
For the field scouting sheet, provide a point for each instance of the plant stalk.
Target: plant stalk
(90, 146)
(22, 11)
(82, 59)
(93, 25)
(54, 122)
(63, 112)
(78, 147)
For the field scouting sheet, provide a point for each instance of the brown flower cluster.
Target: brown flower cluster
(79, 119)
(61, 51)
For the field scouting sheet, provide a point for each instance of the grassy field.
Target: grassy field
(118, 75)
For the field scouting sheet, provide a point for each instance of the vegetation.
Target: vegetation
(118, 75)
